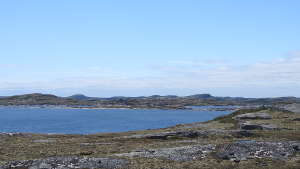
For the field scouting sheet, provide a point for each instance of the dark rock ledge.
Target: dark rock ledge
(193, 134)
(246, 125)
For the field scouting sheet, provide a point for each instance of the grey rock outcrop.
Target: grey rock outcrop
(67, 163)
(249, 149)
(295, 107)
(248, 116)
(186, 153)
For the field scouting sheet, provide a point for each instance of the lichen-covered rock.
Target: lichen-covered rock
(249, 149)
(248, 116)
(185, 153)
(67, 163)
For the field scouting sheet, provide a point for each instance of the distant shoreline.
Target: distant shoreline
(151, 102)
(199, 108)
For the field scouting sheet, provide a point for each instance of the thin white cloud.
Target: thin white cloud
(282, 72)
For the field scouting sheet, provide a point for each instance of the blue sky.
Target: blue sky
(132, 48)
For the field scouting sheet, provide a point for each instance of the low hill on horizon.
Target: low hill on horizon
(39, 99)
(155, 101)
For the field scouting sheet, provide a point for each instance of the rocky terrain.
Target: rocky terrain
(68, 162)
(151, 102)
(294, 107)
(265, 137)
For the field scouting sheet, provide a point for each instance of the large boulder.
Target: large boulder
(249, 116)
(67, 163)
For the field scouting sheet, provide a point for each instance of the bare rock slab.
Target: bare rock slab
(186, 153)
(67, 163)
(249, 116)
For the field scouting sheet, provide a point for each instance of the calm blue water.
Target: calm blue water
(87, 121)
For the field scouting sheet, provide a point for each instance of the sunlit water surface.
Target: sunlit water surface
(87, 121)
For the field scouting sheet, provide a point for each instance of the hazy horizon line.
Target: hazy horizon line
(49, 93)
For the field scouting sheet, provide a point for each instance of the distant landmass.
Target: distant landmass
(155, 101)
(82, 97)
